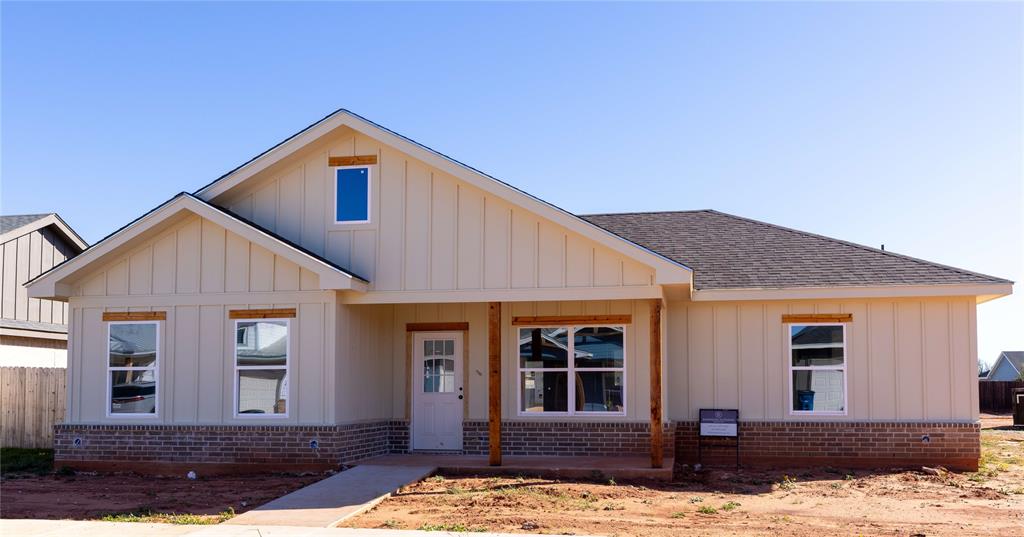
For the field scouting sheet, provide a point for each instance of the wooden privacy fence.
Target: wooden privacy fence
(32, 402)
(996, 395)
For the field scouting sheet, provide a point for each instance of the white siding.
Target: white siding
(429, 230)
(907, 359)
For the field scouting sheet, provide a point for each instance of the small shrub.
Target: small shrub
(678, 514)
(836, 486)
(707, 510)
(787, 483)
(729, 506)
(452, 526)
(391, 524)
(696, 499)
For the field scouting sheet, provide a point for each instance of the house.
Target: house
(350, 293)
(1009, 366)
(33, 331)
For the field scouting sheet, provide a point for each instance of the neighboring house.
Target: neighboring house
(33, 331)
(350, 293)
(1009, 366)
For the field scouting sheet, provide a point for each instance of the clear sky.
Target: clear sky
(871, 122)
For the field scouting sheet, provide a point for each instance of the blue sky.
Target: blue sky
(872, 122)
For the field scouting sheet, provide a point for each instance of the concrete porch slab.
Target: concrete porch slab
(624, 467)
(330, 501)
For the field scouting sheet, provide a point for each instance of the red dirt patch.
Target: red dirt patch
(90, 496)
(718, 502)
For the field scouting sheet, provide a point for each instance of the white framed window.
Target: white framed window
(817, 369)
(133, 359)
(353, 191)
(593, 357)
(261, 368)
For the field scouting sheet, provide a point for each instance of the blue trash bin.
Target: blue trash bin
(805, 399)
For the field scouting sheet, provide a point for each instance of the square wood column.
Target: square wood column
(494, 382)
(657, 455)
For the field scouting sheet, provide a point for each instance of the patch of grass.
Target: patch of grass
(696, 499)
(392, 524)
(678, 514)
(707, 510)
(24, 460)
(452, 526)
(147, 515)
(996, 456)
(436, 479)
(848, 477)
(836, 486)
(614, 507)
(729, 506)
(787, 483)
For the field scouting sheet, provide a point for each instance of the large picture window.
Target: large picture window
(261, 367)
(132, 360)
(596, 369)
(818, 368)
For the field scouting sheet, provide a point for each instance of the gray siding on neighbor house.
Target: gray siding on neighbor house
(1004, 371)
(24, 258)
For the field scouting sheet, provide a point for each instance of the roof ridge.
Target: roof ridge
(861, 246)
(648, 212)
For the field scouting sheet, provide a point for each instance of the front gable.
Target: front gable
(431, 231)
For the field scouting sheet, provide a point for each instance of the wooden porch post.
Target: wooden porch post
(657, 455)
(494, 381)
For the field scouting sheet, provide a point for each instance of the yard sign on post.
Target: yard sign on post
(723, 423)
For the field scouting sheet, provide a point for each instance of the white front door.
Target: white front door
(437, 391)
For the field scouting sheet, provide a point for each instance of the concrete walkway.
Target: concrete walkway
(78, 528)
(328, 502)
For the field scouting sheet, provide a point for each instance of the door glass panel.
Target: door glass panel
(439, 373)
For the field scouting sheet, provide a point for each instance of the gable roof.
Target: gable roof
(1015, 358)
(731, 252)
(16, 225)
(332, 276)
(667, 270)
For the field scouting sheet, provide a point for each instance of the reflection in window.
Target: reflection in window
(439, 366)
(261, 367)
(131, 363)
(597, 369)
(818, 368)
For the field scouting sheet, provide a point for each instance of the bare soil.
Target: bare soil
(92, 496)
(798, 502)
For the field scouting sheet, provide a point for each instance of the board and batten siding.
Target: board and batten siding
(197, 272)
(24, 258)
(428, 229)
(907, 359)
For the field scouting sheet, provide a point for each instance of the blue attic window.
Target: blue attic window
(352, 195)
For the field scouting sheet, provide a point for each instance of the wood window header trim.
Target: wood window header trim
(818, 318)
(135, 316)
(436, 327)
(272, 313)
(564, 320)
(358, 160)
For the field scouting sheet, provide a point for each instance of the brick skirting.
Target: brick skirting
(224, 449)
(564, 438)
(851, 444)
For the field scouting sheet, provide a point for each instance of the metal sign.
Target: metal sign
(719, 422)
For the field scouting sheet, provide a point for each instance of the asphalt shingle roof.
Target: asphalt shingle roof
(14, 221)
(731, 252)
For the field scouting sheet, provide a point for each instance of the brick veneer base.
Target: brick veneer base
(851, 444)
(224, 449)
(564, 438)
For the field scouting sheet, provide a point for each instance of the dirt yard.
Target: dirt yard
(824, 501)
(128, 497)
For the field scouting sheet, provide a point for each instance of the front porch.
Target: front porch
(492, 381)
(601, 467)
